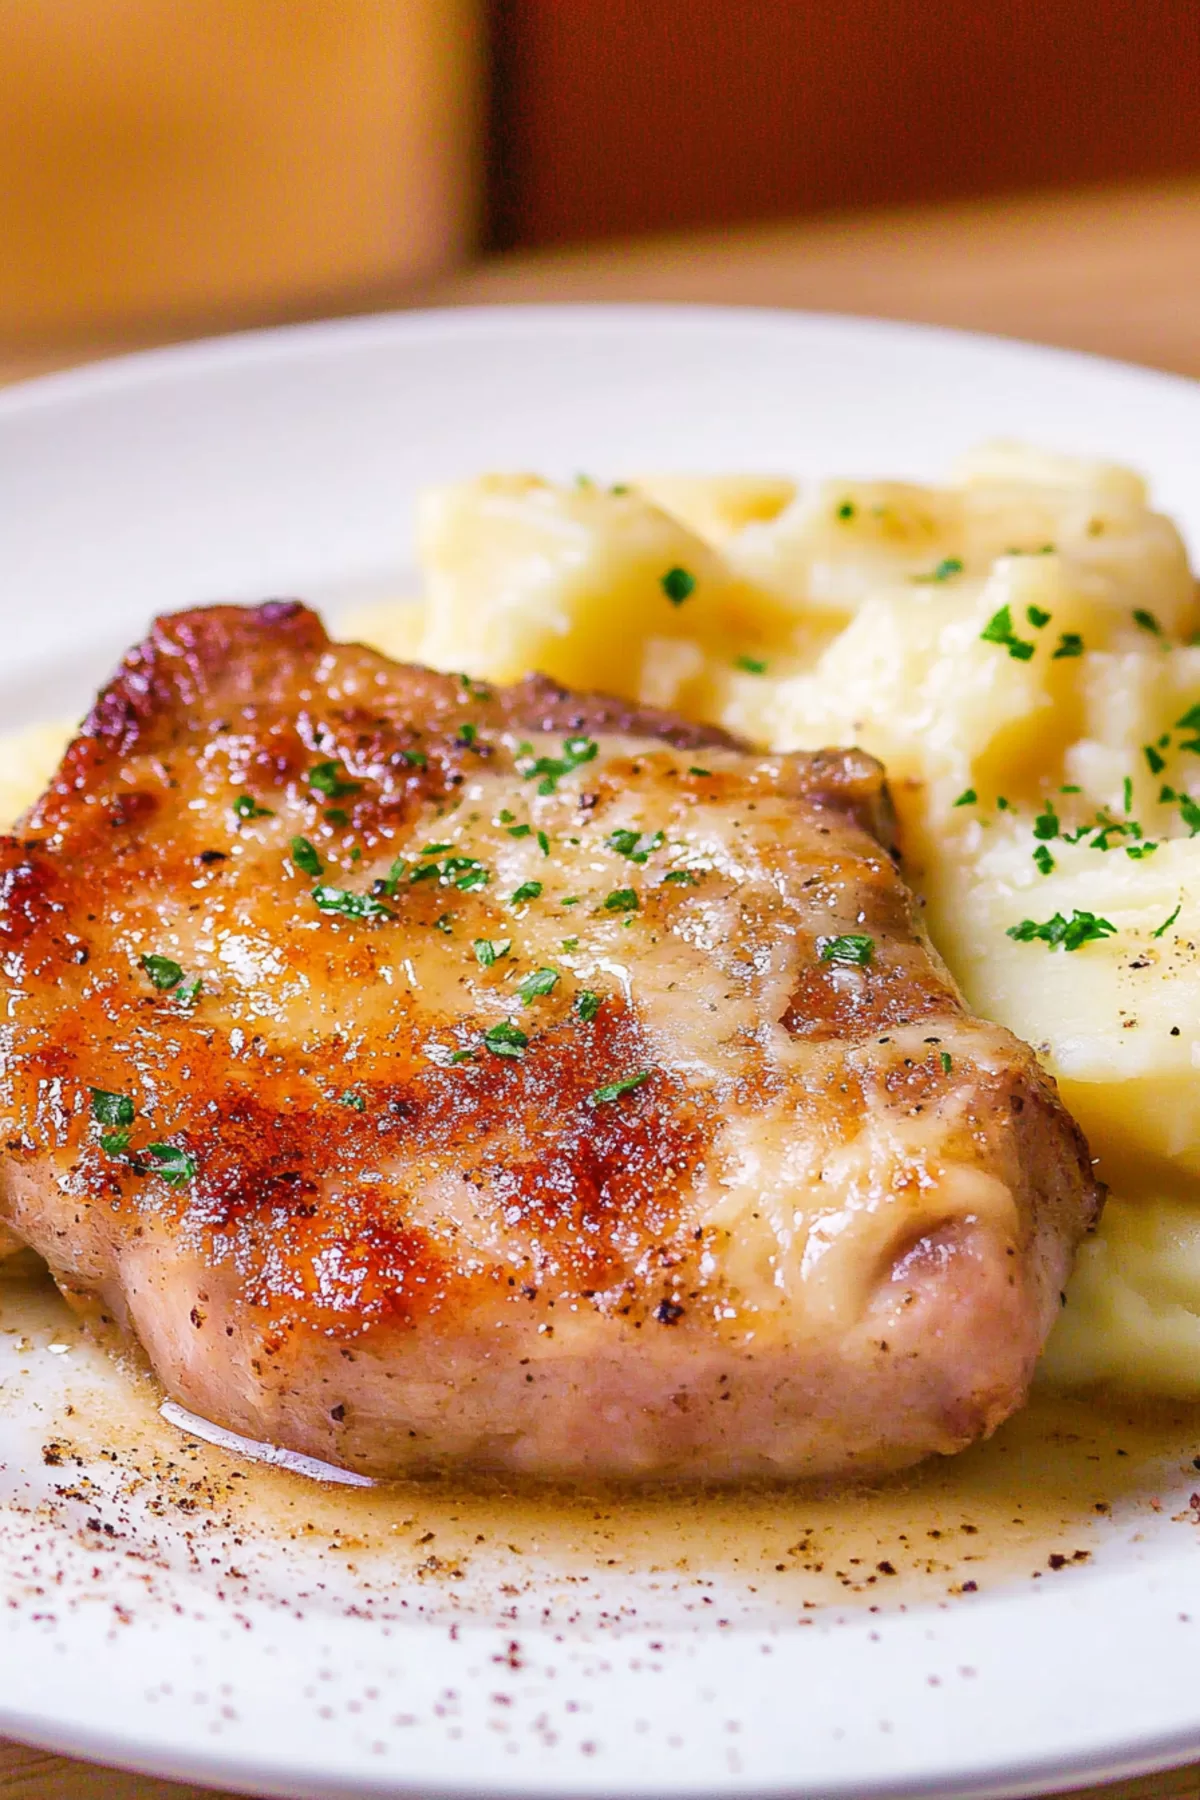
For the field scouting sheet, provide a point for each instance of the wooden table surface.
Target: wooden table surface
(1114, 272)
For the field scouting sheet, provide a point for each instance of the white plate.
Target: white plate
(285, 463)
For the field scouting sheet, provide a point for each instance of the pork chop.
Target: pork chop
(434, 1075)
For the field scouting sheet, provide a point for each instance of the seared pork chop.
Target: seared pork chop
(435, 1075)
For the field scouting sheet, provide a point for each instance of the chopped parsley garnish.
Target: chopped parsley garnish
(999, 630)
(463, 872)
(536, 984)
(1001, 803)
(1189, 812)
(506, 1039)
(846, 510)
(391, 881)
(1046, 824)
(543, 843)
(1070, 788)
(506, 817)
(335, 815)
(946, 1060)
(459, 1056)
(1069, 644)
(571, 943)
(520, 831)
(587, 1005)
(1105, 827)
(1154, 761)
(490, 950)
(445, 923)
(528, 890)
(187, 995)
(569, 900)
(1063, 934)
(1146, 621)
(750, 665)
(949, 566)
(115, 1143)
(678, 585)
(354, 1101)
(1190, 720)
(164, 973)
(305, 857)
(176, 1167)
(613, 1090)
(575, 752)
(467, 873)
(351, 906)
(637, 846)
(434, 849)
(1167, 923)
(1138, 851)
(247, 807)
(855, 947)
(696, 770)
(329, 778)
(111, 1109)
(416, 759)
(1166, 795)
(621, 900)
(1043, 859)
(968, 797)
(685, 877)
(1037, 617)
(467, 734)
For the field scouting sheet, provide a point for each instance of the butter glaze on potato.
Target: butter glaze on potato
(763, 1212)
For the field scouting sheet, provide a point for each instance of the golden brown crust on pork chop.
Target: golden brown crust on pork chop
(432, 1073)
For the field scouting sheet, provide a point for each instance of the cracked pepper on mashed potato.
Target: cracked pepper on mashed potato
(1021, 649)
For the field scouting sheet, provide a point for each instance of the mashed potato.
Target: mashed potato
(27, 761)
(1017, 647)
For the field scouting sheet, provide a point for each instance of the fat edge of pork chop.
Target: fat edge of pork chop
(432, 1074)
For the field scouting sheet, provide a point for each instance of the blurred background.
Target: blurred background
(172, 167)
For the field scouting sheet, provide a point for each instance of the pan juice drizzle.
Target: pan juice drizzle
(1068, 1484)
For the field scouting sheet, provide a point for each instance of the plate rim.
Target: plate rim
(195, 357)
(1036, 1776)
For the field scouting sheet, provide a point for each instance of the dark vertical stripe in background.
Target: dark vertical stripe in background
(614, 117)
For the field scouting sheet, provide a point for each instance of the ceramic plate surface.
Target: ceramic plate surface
(178, 1608)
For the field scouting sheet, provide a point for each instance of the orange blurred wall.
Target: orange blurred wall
(206, 161)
